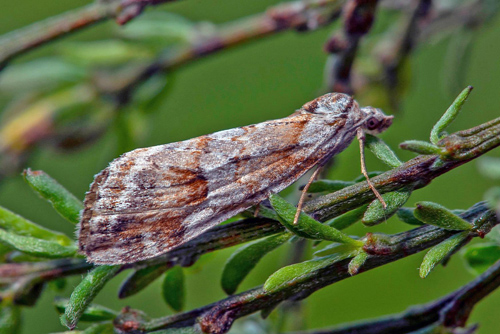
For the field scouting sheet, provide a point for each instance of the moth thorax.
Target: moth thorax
(336, 103)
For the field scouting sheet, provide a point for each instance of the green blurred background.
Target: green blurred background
(268, 79)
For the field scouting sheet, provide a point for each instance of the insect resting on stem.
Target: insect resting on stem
(152, 199)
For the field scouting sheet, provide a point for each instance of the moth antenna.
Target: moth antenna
(361, 139)
(303, 195)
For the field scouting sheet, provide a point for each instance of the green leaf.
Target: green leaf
(267, 213)
(92, 313)
(36, 247)
(382, 151)
(406, 216)
(480, 257)
(10, 319)
(328, 186)
(307, 227)
(173, 289)
(39, 74)
(16, 224)
(112, 52)
(489, 167)
(243, 260)
(356, 263)
(371, 174)
(347, 219)
(299, 272)
(343, 250)
(437, 253)
(420, 147)
(85, 292)
(492, 196)
(449, 116)
(437, 215)
(159, 26)
(140, 279)
(375, 214)
(102, 328)
(65, 203)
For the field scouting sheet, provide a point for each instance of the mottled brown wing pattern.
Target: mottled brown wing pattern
(152, 199)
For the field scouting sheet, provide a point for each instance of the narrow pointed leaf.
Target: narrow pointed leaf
(85, 292)
(243, 260)
(102, 328)
(437, 215)
(362, 178)
(481, 256)
(307, 227)
(173, 289)
(267, 213)
(376, 214)
(65, 203)
(356, 263)
(36, 247)
(16, 224)
(10, 319)
(343, 250)
(299, 272)
(406, 216)
(140, 279)
(92, 313)
(378, 147)
(328, 186)
(347, 219)
(420, 147)
(437, 253)
(449, 115)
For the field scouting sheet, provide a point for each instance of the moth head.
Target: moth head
(375, 120)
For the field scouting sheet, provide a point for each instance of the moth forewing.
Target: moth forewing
(151, 200)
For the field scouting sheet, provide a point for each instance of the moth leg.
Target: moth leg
(303, 195)
(257, 210)
(361, 139)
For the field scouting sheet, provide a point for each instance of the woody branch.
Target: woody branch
(218, 317)
(280, 17)
(298, 15)
(452, 310)
(358, 18)
(462, 147)
(28, 38)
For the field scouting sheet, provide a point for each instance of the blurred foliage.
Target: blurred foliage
(82, 95)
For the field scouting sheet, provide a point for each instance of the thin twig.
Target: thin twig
(358, 19)
(30, 37)
(300, 15)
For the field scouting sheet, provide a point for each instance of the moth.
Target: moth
(150, 200)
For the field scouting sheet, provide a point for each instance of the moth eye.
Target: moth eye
(372, 123)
